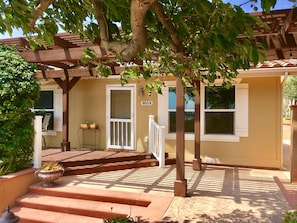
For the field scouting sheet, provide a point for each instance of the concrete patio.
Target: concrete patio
(216, 194)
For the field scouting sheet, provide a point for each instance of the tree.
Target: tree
(290, 89)
(193, 39)
(290, 95)
(18, 90)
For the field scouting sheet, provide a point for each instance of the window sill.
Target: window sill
(220, 138)
(209, 138)
(188, 136)
(49, 133)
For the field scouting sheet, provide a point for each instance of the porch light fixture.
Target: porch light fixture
(141, 91)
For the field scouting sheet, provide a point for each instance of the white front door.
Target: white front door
(120, 117)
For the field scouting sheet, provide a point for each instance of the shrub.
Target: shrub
(290, 217)
(119, 220)
(18, 91)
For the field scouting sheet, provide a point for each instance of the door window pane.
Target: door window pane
(120, 104)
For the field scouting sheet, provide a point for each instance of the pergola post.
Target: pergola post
(180, 184)
(197, 159)
(65, 144)
(66, 86)
(293, 144)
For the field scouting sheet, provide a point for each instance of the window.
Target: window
(219, 110)
(50, 101)
(167, 111)
(189, 111)
(224, 112)
(46, 105)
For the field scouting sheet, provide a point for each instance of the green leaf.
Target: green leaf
(255, 56)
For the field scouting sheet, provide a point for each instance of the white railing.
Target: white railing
(156, 143)
(121, 134)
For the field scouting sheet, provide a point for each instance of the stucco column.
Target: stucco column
(293, 144)
(180, 184)
(37, 141)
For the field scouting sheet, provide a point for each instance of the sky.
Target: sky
(281, 4)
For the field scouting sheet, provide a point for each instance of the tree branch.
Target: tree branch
(38, 10)
(177, 45)
(127, 51)
(139, 38)
(100, 14)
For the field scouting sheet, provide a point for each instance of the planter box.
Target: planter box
(15, 185)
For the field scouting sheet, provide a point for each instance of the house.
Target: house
(244, 130)
(239, 126)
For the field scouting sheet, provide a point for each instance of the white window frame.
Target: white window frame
(240, 122)
(240, 116)
(58, 114)
(163, 112)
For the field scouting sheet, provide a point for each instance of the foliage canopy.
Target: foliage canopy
(192, 39)
(18, 90)
(290, 88)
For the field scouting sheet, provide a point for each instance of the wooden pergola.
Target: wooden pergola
(61, 62)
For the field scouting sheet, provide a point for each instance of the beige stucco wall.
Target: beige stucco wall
(87, 101)
(261, 148)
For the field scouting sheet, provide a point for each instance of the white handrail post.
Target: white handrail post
(151, 135)
(162, 146)
(37, 141)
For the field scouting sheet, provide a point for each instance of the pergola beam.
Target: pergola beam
(58, 55)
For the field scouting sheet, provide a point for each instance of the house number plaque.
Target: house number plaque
(146, 103)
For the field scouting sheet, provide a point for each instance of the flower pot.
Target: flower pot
(48, 177)
(84, 126)
(93, 126)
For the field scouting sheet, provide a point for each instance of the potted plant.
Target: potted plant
(84, 125)
(49, 172)
(93, 125)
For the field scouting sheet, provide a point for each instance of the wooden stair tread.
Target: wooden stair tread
(111, 164)
(29, 215)
(114, 157)
(93, 168)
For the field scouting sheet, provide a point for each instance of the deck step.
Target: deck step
(68, 204)
(88, 162)
(120, 165)
(109, 159)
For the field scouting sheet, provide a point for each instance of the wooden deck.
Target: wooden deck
(89, 161)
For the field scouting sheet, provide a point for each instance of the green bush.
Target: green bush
(18, 91)
(119, 220)
(290, 217)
